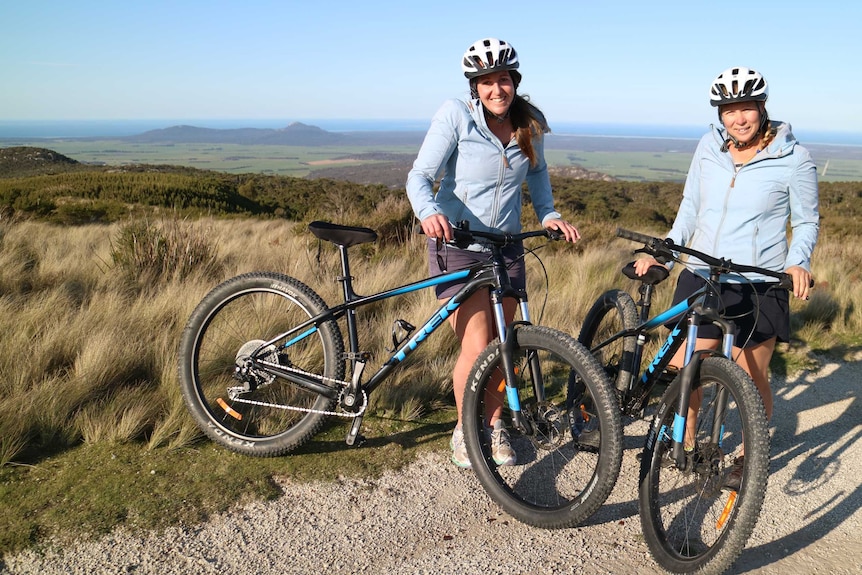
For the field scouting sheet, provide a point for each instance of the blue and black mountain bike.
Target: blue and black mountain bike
(694, 519)
(263, 363)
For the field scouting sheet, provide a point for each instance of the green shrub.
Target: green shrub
(149, 253)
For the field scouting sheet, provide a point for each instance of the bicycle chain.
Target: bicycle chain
(323, 379)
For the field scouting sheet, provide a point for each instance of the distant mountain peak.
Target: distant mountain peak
(295, 134)
(300, 127)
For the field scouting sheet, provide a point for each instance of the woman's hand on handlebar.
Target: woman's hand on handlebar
(642, 265)
(802, 281)
(569, 232)
(437, 226)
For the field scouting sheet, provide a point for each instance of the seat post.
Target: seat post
(347, 288)
(645, 291)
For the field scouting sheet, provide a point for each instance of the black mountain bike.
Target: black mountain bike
(263, 363)
(691, 521)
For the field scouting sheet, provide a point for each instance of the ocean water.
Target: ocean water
(27, 129)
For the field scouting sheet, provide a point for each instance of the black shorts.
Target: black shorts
(454, 259)
(759, 311)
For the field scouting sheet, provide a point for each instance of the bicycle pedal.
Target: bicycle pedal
(589, 440)
(356, 441)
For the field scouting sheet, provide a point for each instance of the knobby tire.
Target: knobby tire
(612, 312)
(567, 470)
(690, 522)
(229, 323)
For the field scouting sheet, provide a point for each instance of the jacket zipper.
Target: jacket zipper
(501, 178)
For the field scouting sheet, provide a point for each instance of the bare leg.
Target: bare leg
(473, 323)
(754, 360)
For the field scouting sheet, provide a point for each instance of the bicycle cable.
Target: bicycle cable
(755, 297)
(532, 251)
(323, 379)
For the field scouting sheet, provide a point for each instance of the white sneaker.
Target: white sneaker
(501, 449)
(459, 450)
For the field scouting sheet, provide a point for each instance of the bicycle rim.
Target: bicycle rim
(690, 521)
(613, 312)
(257, 413)
(566, 470)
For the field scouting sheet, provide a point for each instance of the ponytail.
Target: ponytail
(529, 123)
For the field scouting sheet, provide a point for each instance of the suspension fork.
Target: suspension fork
(688, 374)
(722, 397)
(507, 353)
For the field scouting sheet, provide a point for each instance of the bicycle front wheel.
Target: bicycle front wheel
(242, 407)
(692, 521)
(567, 465)
(613, 312)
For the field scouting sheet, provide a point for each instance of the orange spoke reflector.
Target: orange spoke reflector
(731, 499)
(502, 385)
(584, 413)
(229, 410)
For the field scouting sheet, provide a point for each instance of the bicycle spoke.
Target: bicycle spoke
(559, 478)
(691, 519)
(234, 399)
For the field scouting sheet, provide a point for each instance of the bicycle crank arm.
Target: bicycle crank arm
(353, 434)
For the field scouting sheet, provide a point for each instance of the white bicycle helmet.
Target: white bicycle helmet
(489, 55)
(738, 85)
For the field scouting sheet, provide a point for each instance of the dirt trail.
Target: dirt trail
(434, 518)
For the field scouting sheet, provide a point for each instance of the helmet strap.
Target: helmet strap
(500, 119)
(737, 144)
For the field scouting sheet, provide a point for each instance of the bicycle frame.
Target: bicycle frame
(697, 506)
(699, 307)
(490, 274)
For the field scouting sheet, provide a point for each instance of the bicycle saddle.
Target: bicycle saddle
(342, 235)
(655, 274)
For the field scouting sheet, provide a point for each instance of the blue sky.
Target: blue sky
(582, 61)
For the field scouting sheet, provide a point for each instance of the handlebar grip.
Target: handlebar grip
(634, 236)
(785, 282)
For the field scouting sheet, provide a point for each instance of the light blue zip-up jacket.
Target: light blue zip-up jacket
(481, 177)
(742, 216)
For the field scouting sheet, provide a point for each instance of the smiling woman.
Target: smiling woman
(486, 147)
(748, 181)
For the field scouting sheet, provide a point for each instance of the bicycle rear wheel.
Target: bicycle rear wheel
(568, 467)
(691, 522)
(257, 413)
(613, 312)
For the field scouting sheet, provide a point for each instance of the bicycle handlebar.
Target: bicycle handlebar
(665, 248)
(463, 236)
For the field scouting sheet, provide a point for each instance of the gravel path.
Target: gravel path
(434, 518)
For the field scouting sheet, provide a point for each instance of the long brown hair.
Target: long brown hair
(528, 123)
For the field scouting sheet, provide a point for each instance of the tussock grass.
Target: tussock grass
(91, 318)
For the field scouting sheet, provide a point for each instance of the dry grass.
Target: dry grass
(90, 356)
